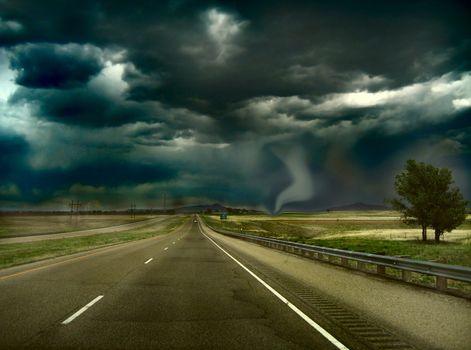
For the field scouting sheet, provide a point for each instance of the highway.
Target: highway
(190, 289)
(190, 295)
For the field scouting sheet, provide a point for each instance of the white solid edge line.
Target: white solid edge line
(305, 317)
(148, 261)
(82, 310)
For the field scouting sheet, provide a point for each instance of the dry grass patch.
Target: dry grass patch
(24, 225)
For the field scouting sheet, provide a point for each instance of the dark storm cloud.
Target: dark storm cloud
(281, 50)
(366, 170)
(8, 27)
(275, 40)
(81, 106)
(280, 41)
(157, 135)
(13, 151)
(210, 88)
(37, 186)
(53, 21)
(13, 163)
(55, 66)
(105, 173)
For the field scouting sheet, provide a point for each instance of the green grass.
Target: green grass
(21, 253)
(311, 230)
(445, 252)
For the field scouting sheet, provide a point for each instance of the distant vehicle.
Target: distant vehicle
(195, 220)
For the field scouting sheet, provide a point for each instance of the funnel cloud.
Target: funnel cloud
(301, 187)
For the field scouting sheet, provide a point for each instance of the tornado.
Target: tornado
(302, 186)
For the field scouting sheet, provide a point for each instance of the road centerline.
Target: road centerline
(82, 310)
(301, 314)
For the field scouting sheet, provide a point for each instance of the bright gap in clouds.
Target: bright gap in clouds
(7, 77)
(223, 29)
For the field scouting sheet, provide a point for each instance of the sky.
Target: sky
(273, 105)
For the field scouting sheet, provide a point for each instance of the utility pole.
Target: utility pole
(133, 208)
(165, 199)
(78, 205)
(74, 209)
(74, 206)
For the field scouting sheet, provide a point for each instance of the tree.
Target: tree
(426, 198)
(449, 213)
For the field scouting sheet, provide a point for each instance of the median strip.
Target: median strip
(82, 310)
(22, 253)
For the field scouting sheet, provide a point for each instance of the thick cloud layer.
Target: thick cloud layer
(46, 66)
(196, 99)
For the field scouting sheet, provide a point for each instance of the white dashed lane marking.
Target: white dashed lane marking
(82, 310)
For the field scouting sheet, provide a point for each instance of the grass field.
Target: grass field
(24, 225)
(380, 232)
(21, 253)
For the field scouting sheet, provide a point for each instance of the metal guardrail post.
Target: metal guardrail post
(406, 275)
(440, 283)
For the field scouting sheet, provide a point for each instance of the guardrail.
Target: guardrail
(364, 261)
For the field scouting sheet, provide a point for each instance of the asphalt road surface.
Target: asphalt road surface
(173, 291)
